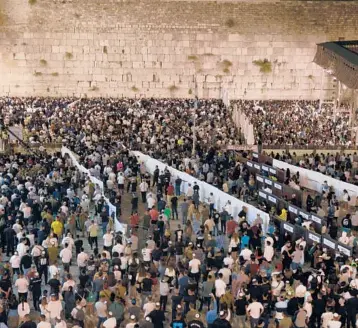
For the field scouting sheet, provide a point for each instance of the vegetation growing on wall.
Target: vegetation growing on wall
(134, 88)
(43, 62)
(192, 57)
(68, 55)
(173, 88)
(225, 65)
(32, 2)
(264, 65)
(230, 22)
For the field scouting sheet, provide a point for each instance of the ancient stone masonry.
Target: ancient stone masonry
(254, 50)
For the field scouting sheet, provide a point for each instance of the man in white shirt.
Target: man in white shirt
(43, 323)
(254, 311)
(226, 272)
(101, 310)
(246, 253)
(335, 322)
(147, 254)
(66, 256)
(22, 248)
(149, 306)
(190, 191)
(111, 322)
(82, 259)
(144, 189)
(268, 251)
(54, 307)
(54, 270)
(300, 291)
(119, 248)
(68, 240)
(60, 323)
(22, 286)
(108, 241)
(220, 286)
(194, 268)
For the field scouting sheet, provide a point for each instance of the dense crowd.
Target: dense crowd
(200, 267)
(296, 123)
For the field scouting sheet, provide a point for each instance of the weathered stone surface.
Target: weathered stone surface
(154, 45)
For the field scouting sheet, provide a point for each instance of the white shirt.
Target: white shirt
(108, 239)
(101, 309)
(61, 324)
(23, 309)
(268, 253)
(66, 255)
(43, 324)
(110, 323)
(53, 270)
(255, 309)
(82, 259)
(119, 248)
(246, 253)
(148, 307)
(55, 308)
(334, 324)
(21, 248)
(147, 254)
(220, 287)
(120, 179)
(194, 265)
(68, 240)
(300, 291)
(22, 285)
(226, 275)
(15, 261)
(143, 186)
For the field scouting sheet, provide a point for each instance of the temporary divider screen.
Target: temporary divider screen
(314, 180)
(221, 198)
(120, 227)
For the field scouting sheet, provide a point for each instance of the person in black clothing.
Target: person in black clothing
(176, 301)
(352, 310)
(26, 262)
(155, 176)
(157, 316)
(347, 222)
(9, 234)
(196, 323)
(35, 288)
(28, 323)
(78, 245)
(174, 203)
(43, 266)
(134, 203)
(55, 284)
(318, 308)
(221, 322)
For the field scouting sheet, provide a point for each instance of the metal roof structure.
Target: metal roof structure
(341, 59)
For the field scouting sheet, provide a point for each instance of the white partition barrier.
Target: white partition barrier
(241, 121)
(120, 227)
(221, 198)
(314, 180)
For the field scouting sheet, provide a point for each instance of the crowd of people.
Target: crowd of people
(52, 216)
(296, 123)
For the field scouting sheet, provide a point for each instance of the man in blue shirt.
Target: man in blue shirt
(212, 314)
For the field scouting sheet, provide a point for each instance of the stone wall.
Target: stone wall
(160, 48)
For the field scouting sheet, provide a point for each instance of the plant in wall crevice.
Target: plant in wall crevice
(94, 88)
(173, 88)
(230, 22)
(264, 65)
(37, 73)
(226, 65)
(190, 92)
(43, 62)
(54, 74)
(68, 55)
(192, 57)
(32, 2)
(134, 88)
